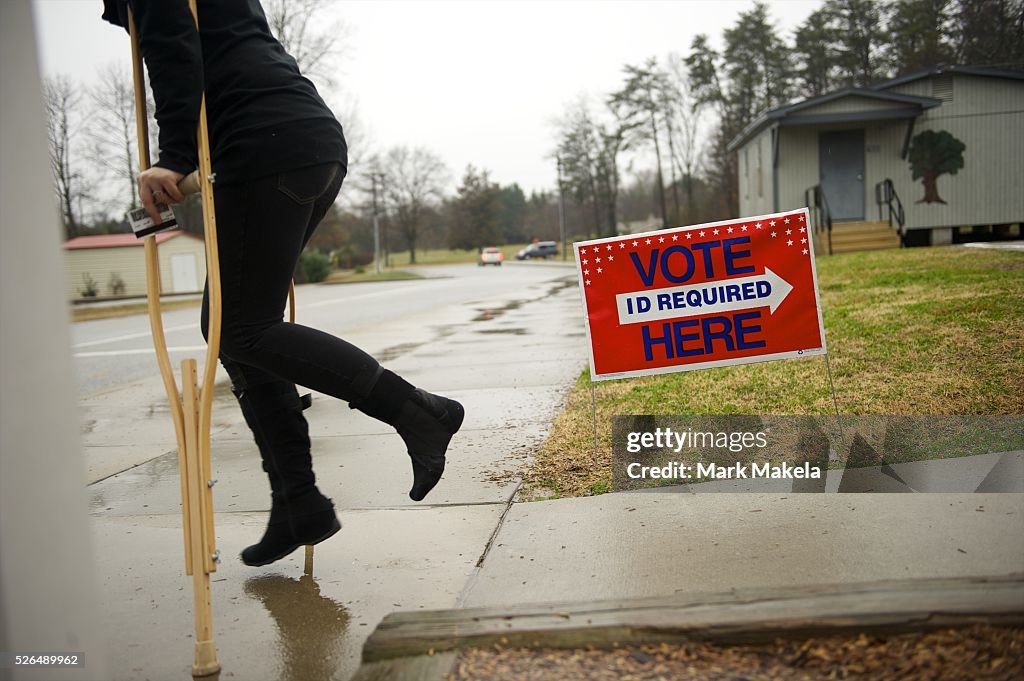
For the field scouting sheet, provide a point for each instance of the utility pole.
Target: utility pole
(561, 209)
(376, 226)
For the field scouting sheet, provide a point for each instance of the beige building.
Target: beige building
(850, 156)
(114, 265)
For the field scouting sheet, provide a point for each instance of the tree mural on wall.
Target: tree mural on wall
(933, 154)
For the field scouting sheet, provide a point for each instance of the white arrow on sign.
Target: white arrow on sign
(759, 290)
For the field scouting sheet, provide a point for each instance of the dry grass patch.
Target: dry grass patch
(83, 314)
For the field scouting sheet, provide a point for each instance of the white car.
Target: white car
(491, 256)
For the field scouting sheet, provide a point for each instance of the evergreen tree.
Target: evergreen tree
(989, 32)
(860, 39)
(474, 212)
(920, 35)
(814, 54)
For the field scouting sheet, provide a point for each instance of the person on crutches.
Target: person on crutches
(279, 158)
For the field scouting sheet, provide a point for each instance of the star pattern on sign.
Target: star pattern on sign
(772, 223)
(701, 234)
(786, 221)
(730, 230)
(788, 232)
(773, 235)
(758, 225)
(803, 229)
(634, 244)
(690, 236)
(648, 242)
(744, 228)
(803, 241)
(789, 243)
(805, 251)
(661, 240)
(801, 218)
(675, 237)
(591, 274)
(715, 232)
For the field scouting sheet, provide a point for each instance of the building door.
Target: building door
(183, 273)
(841, 160)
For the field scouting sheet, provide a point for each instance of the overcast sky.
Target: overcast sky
(476, 81)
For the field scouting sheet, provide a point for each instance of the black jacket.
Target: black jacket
(264, 117)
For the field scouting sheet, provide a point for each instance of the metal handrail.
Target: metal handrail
(885, 194)
(821, 214)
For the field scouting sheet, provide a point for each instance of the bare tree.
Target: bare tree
(64, 120)
(414, 181)
(588, 151)
(683, 117)
(638, 100)
(308, 35)
(112, 129)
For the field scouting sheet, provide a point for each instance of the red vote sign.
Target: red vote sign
(712, 295)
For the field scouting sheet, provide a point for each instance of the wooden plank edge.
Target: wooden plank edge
(962, 603)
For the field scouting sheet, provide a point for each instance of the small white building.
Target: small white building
(114, 265)
(852, 151)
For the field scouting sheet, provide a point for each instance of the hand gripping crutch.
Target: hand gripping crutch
(190, 411)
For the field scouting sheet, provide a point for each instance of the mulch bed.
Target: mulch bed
(978, 653)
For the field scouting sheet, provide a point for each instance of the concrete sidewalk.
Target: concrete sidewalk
(510, 360)
(634, 545)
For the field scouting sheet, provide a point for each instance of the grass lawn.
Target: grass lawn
(442, 256)
(911, 331)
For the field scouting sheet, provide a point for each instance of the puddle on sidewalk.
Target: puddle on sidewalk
(487, 314)
(512, 331)
(395, 351)
(310, 627)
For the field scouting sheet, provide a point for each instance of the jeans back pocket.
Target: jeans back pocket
(306, 185)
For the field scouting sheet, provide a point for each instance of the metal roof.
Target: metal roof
(939, 70)
(119, 240)
(914, 105)
(873, 91)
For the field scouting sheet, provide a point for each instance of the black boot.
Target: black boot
(425, 422)
(308, 519)
(299, 513)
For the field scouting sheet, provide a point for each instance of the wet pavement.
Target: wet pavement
(508, 348)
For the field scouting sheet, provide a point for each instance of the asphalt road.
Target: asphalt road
(111, 352)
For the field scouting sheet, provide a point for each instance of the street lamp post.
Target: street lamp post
(561, 209)
(376, 226)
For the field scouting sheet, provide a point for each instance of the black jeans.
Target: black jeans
(262, 227)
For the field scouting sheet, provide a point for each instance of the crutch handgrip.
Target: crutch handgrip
(190, 183)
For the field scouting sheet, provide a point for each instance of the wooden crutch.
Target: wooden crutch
(190, 410)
